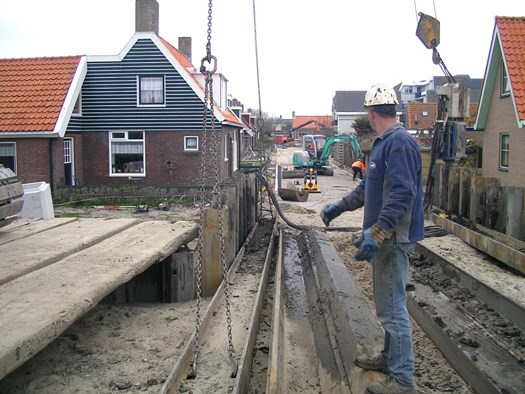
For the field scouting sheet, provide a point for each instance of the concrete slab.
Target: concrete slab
(38, 307)
(24, 227)
(43, 248)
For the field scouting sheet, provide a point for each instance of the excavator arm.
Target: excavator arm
(330, 141)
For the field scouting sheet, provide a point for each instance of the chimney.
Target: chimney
(185, 47)
(147, 16)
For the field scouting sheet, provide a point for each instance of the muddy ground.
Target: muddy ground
(132, 348)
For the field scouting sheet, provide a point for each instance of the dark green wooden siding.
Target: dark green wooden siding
(109, 95)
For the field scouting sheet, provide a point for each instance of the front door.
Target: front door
(69, 168)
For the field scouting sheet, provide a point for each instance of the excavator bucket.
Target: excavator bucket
(428, 31)
(291, 193)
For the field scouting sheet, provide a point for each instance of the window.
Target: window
(127, 153)
(151, 90)
(191, 144)
(504, 151)
(425, 114)
(77, 109)
(8, 155)
(67, 151)
(505, 82)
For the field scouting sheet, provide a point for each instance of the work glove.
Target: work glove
(373, 237)
(358, 240)
(330, 212)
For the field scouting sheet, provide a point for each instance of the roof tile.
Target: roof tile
(183, 60)
(512, 34)
(33, 90)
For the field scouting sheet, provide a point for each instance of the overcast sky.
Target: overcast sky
(307, 49)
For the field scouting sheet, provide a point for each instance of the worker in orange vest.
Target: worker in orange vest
(358, 168)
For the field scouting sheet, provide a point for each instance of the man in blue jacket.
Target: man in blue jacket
(392, 196)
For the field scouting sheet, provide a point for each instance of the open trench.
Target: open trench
(312, 321)
(298, 320)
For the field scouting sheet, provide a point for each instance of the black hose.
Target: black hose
(272, 196)
(435, 231)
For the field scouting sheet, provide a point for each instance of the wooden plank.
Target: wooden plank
(38, 307)
(22, 228)
(500, 251)
(35, 251)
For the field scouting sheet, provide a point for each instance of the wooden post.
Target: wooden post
(514, 225)
(479, 209)
(494, 212)
(229, 199)
(211, 250)
(464, 196)
(453, 190)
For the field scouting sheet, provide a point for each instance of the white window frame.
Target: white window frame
(191, 148)
(77, 108)
(504, 151)
(68, 150)
(505, 81)
(124, 136)
(14, 157)
(139, 96)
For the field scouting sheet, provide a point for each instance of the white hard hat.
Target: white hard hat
(380, 94)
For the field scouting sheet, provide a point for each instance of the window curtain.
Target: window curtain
(151, 90)
(127, 147)
(7, 149)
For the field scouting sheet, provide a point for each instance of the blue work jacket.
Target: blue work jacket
(392, 191)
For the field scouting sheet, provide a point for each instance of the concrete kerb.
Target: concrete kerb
(357, 330)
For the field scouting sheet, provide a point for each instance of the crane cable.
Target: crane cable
(207, 150)
(436, 57)
(260, 121)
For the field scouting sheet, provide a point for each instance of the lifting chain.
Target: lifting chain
(216, 201)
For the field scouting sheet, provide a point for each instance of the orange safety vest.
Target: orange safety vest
(359, 164)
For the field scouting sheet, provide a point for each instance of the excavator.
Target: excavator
(316, 151)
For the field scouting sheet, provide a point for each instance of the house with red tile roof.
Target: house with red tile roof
(500, 122)
(135, 118)
(303, 125)
(37, 99)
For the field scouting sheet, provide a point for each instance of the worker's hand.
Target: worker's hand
(330, 212)
(373, 237)
(358, 240)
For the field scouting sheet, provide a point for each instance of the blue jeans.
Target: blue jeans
(390, 272)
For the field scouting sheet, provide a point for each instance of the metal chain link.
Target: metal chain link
(216, 201)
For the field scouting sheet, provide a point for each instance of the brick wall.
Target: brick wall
(502, 119)
(160, 148)
(32, 156)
